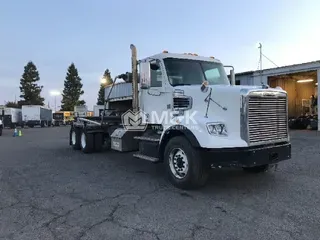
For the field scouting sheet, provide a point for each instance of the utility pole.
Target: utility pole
(260, 62)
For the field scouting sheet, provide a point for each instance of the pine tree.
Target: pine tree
(10, 104)
(72, 90)
(30, 90)
(107, 80)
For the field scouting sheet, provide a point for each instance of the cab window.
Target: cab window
(156, 75)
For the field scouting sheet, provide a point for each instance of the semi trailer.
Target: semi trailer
(36, 115)
(183, 110)
(12, 117)
(80, 111)
(97, 110)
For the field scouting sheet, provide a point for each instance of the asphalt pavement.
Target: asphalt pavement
(49, 191)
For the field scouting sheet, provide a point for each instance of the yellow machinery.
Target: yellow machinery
(63, 117)
(90, 114)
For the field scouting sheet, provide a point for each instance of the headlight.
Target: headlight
(217, 129)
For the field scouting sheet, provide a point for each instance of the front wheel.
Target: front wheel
(185, 168)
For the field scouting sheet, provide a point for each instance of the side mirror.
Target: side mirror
(154, 66)
(232, 77)
(145, 75)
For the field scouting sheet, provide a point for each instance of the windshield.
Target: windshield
(57, 116)
(193, 72)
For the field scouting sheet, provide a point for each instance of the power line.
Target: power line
(269, 60)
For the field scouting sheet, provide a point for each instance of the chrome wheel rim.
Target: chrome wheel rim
(178, 162)
(83, 140)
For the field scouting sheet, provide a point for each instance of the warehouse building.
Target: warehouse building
(299, 80)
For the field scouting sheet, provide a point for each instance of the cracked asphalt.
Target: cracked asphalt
(48, 191)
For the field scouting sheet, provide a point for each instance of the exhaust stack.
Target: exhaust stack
(135, 97)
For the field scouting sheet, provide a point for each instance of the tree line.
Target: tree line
(71, 95)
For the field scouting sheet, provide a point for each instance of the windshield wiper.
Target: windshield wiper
(208, 99)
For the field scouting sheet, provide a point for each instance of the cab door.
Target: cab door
(154, 100)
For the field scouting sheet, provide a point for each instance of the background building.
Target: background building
(299, 80)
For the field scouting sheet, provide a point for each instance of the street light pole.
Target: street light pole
(55, 94)
(55, 103)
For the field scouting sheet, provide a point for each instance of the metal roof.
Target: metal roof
(313, 65)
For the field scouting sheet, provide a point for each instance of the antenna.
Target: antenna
(260, 62)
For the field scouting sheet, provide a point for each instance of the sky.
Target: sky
(96, 35)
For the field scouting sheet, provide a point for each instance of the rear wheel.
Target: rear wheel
(75, 138)
(185, 167)
(0, 131)
(87, 142)
(98, 142)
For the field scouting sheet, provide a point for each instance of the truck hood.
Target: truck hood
(228, 97)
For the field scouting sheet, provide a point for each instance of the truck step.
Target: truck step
(145, 157)
(150, 139)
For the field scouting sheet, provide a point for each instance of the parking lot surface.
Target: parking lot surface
(49, 191)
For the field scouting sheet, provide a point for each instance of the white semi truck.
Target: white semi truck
(182, 110)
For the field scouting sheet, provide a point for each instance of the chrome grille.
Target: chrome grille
(267, 118)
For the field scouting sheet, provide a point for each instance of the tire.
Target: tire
(257, 169)
(87, 142)
(196, 174)
(0, 131)
(42, 124)
(75, 135)
(98, 142)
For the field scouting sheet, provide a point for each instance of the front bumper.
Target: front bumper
(248, 156)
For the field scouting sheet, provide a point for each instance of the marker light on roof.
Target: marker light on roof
(212, 57)
(165, 51)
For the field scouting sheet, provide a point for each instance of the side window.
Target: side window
(156, 76)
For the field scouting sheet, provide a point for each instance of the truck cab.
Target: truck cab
(187, 114)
